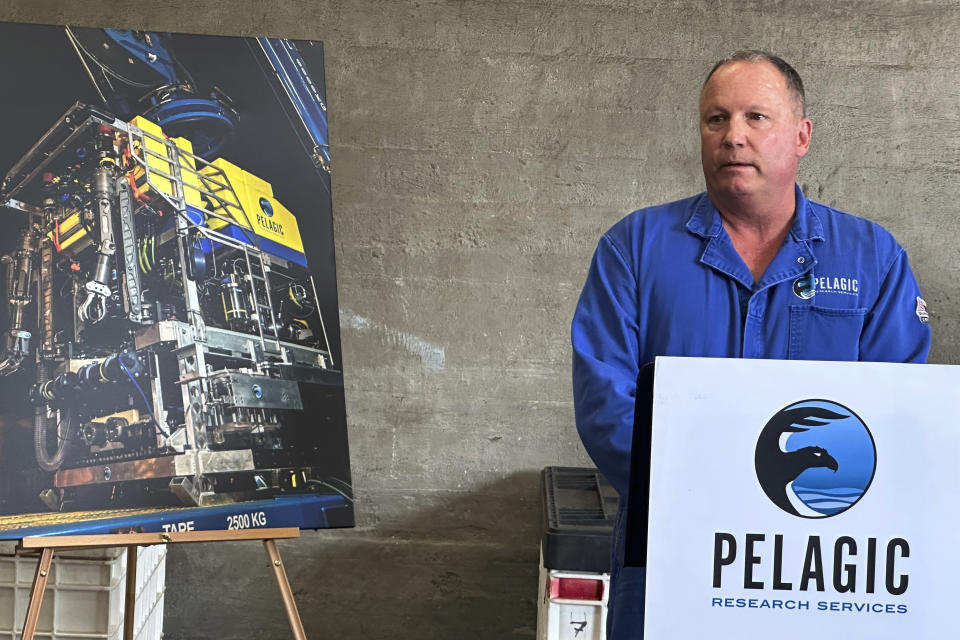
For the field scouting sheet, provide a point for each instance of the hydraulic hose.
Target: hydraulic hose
(41, 424)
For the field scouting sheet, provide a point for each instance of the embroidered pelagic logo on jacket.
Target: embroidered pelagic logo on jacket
(810, 284)
(838, 284)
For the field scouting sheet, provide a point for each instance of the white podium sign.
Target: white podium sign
(798, 500)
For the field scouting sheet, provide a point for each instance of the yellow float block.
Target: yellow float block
(69, 233)
(260, 212)
(158, 159)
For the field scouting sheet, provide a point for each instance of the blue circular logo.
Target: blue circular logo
(815, 458)
(266, 207)
(805, 287)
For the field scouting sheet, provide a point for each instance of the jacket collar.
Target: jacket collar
(705, 221)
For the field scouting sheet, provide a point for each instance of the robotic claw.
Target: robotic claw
(164, 306)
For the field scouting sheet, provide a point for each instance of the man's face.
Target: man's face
(752, 134)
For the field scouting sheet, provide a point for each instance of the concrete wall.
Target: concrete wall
(480, 149)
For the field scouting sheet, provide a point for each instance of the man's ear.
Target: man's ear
(804, 130)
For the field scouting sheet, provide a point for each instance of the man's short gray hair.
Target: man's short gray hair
(790, 75)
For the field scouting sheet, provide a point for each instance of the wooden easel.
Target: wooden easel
(46, 545)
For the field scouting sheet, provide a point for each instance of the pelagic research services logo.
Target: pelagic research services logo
(815, 458)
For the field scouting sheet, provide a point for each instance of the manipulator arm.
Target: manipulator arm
(19, 280)
(94, 306)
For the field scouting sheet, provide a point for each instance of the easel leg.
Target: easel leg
(285, 592)
(36, 593)
(130, 598)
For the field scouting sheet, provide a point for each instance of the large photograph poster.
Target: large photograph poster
(800, 500)
(168, 320)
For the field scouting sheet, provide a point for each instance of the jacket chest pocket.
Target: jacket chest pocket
(821, 333)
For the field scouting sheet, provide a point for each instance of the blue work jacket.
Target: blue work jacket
(667, 281)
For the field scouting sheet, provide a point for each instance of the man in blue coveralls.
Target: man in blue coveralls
(748, 269)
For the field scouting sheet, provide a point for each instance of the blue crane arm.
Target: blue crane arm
(288, 65)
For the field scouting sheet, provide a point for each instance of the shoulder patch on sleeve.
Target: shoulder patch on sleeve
(922, 310)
